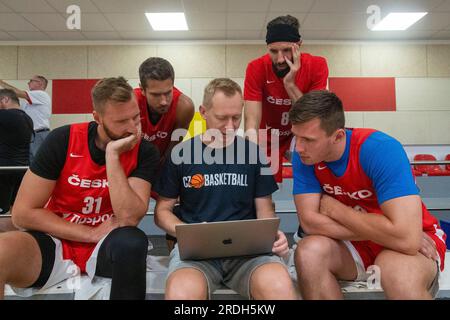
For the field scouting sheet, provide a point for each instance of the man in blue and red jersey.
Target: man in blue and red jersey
(81, 201)
(358, 203)
(163, 107)
(274, 81)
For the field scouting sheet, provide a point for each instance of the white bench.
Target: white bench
(82, 288)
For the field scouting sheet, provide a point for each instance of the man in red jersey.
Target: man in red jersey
(274, 81)
(81, 200)
(358, 203)
(163, 107)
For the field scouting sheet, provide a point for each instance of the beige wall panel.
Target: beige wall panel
(407, 127)
(8, 62)
(393, 61)
(53, 62)
(184, 85)
(343, 60)
(354, 119)
(238, 56)
(440, 127)
(240, 82)
(58, 120)
(113, 61)
(195, 61)
(423, 94)
(198, 86)
(438, 61)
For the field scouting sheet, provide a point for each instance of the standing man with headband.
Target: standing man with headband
(276, 80)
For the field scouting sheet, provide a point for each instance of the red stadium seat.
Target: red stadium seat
(286, 171)
(428, 169)
(415, 172)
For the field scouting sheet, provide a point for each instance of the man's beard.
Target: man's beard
(280, 73)
(111, 135)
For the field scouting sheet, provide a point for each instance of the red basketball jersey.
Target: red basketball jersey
(81, 193)
(160, 133)
(355, 189)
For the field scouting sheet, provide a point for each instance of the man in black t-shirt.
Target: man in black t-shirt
(16, 130)
(81, 201)
(219, 177)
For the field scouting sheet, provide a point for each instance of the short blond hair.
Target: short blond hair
(111, 89)
(225, 85)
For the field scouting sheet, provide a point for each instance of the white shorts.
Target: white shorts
(63, 269)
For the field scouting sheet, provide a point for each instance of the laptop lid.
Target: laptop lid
(197, 241)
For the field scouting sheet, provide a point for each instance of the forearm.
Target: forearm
(18, 92)
(166, 220)
(48, 222)
(314, 223)
(293, 91)
(127, 206)
(378, 228)
(252, 119)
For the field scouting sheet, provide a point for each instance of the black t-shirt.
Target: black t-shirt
(16, 131)
(220, 191)
(51, 156)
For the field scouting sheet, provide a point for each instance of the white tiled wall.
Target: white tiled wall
(409, 127)
(394, 61)
(58, 120)
(422, 72)
(431, 94)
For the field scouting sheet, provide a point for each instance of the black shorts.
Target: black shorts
(47, 247)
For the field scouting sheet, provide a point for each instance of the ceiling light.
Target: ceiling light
(398, 21)
(168, 21)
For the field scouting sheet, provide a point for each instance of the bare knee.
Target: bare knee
(405, 277)
(272, 282)
(312, 253)
(186, 284)
(20, 258)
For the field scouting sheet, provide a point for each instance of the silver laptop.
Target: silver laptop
(198, 241)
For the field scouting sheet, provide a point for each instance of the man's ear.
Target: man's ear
(300, 43)
(339, 135)
(202, 111)
(142, 89)
(96, 116)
